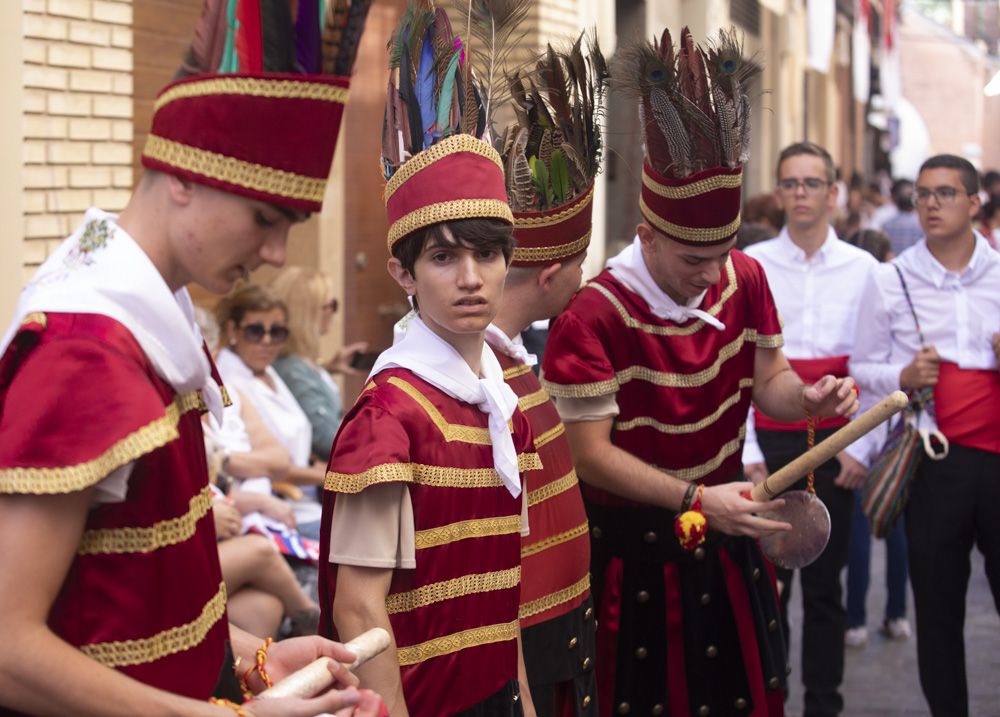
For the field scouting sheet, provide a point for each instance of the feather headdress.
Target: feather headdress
(438, 166)
(285, 64)
(552, 151)
(695, 118)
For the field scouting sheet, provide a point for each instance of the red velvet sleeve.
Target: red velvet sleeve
(73, 410)
(371, 447)
(575, 363)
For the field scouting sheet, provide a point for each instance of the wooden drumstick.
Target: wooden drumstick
(782, 479)
(315, 677)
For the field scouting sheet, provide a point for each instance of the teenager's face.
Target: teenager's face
(945, 209)
(458, 288)
(254, 339)
(682, 271)
(221, 237)
(806, 207)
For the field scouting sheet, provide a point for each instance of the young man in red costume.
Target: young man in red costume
(552, 236)
(653, 366)
(423, 505)
(111, 600)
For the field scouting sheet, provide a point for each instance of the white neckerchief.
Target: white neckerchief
(513, 347)
(109, 274)
(418, 349)
(630, 269)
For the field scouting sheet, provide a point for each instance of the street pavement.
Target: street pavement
(881, 680)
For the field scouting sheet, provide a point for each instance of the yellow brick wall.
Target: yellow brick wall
(77, 149)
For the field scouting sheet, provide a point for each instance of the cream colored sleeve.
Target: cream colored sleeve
(575, 410)
(374, 528)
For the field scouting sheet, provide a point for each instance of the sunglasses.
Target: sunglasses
(255, 333)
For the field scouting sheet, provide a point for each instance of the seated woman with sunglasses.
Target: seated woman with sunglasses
(255, 325)
(308, 296)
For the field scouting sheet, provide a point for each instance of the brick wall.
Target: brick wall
(77, 115)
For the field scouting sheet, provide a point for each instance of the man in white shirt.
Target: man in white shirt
(952, 287)
(816, 280)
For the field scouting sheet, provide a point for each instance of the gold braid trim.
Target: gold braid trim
(554, 540)
(526, 403)
(539, 605)
(686, 191)
(50, 481)
(435, 476)
(449, 211)
(632, 323)
(36, 317)
(688, 380)
(422, 160)
(254, 87)
(550, 435)
(551, 253)
(455, 642)
(231, 170)
(691, 234)
(700, 471)
(454, 588)
(683, 428)
(356, 482)
(560, 485)
(771, 341)
(528, 462)
(529, 222)
(227, 400)
(146, 540)
(451, 431)
(122, 653)
(581, 390)
(515, 371)
(480, 528)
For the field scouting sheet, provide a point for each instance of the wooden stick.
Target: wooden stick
(782, 479)
(315, 677)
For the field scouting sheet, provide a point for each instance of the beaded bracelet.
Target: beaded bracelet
(227, 703)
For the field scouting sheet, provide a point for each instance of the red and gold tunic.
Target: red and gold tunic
(679, 632)
(555, 557)
(78, 400)
(454, 616)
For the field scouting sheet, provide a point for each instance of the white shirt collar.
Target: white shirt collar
(418, 349)
(513, 347)
(980, 261)
(629, 267)
(100, 269)
(822, 255)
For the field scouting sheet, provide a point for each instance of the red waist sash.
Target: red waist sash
(967, 405)
(810, 371)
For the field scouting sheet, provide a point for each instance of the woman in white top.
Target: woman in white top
(255, 325)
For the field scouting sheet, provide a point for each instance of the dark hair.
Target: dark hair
(968, 173)
(902, 195)
(872, 241)
(245, 300)
(989, 209)
(751, 233)
(763, 208)
(475, 233)
(812, 149)
(991, 177)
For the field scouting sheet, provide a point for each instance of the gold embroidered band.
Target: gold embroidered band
(526, 403)
(454, 588)
(554, 540)
(683, 428)
(146, 540)
(515, 371)
(690, 234)
(702, 470)
(238, 172)
(550, 435)
(449, 146)
(449, 211)
(549, 220)
(551, 253)
(686, 191)
(122, 653)
(456, 641)
(549, 490)
(463, 530)
(255, 87)
(540, 605)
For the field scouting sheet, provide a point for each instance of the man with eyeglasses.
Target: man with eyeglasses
(816, 280)
(952, 278)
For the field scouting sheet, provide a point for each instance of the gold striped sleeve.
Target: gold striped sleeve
(540, 605)
(581, 390)
(683, 428)
(550, 490)
(122, 653)
(146, 540)
(550, 435)
(466, 529)
(68, 479)
(515, 371)
(526, 403)
(456, 642)
(770, 341)
(553, 540)
(453, 588)
(451, 431)
(356, 482)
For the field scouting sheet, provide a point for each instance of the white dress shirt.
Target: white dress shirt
(818, 299)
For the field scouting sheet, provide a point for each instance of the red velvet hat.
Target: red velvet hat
(701, 209)
(458, 178)
(269, 136)
(554, 235)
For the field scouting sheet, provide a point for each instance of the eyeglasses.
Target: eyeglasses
(943, 195)
(332, 305)
(810, 184)
(255, 333)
